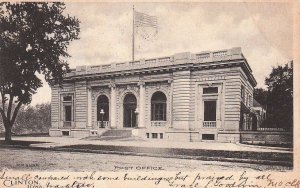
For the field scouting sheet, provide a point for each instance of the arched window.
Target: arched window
(103, 103)
(158, 106)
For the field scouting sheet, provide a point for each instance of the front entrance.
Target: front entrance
(129, 107)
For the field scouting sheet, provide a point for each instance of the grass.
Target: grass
(190, 152)
(34, 135)
(272, 145)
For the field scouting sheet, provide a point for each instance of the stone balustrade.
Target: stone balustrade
(105, 123)
(209, 124)
(158, 123)
(187, 57)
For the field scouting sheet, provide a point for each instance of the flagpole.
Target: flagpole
(133, 34)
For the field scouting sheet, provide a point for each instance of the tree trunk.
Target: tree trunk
(8, 133)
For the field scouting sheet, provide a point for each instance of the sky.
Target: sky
(264, 31)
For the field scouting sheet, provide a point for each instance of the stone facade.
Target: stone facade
(188, 97)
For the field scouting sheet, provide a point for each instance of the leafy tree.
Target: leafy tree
(280, 97)
(260, 95)
(32, 120)
(33, 40)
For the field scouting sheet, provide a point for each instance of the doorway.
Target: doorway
(129, 107)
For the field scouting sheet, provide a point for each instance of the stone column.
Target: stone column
(142, 106)
(113, 105)
(170, 104)
(89, 107)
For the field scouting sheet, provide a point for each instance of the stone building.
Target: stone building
(186, 96)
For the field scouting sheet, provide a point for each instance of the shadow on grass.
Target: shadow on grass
(19, 143)
(2, 135)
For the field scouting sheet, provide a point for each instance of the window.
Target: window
(67, 108)
(210, 90)
(147, 134)
(67, 98)
(242, 92)
(158, 107)
(250, 100)
(154, 135)
(210, 110)
(68, 113)
(161, 135)
(208, 136)
(66, 133)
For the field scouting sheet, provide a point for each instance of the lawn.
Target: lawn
(270, 156)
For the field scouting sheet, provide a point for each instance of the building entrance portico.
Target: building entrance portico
(129, 109)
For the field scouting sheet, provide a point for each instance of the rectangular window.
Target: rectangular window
(161, 135)
(208, 136)
(68, 113)
(147, 134)
(67, 109)
(154, 135)
(66, 133)
(67, 98)
(210, 110)
(209, 90)
(242, 92)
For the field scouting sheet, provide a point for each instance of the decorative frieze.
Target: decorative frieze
(71, 89)
(209, 78)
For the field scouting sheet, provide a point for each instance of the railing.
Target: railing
(106, 66)
(134, 63)
(203, 56)
(270, 129)
(164, 59)
(105, 123)
(209, 124)
(120, 64)
(219, 53)
(150, 61)
(158, 123)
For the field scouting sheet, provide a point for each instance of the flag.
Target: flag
(144, 20)
(146, 25)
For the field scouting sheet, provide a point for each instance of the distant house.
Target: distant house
(260, 113)
(182, 97)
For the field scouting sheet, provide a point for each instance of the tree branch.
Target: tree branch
(9, 106)
(3, 115)
(15, 113)
(3, 100)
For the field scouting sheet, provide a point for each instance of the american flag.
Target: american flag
(144, 20)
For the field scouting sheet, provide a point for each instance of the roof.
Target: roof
(256, 104)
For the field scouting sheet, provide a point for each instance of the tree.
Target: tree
(280, 96)
(261, 96)
(33, 119)
(33, 40)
